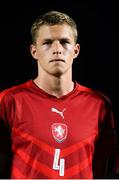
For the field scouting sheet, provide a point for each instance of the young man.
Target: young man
(52, 127)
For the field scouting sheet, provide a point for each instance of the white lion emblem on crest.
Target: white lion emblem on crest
(59, 131)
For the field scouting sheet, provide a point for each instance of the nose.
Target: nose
(57, 48)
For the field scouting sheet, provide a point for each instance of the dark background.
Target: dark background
(96, 65)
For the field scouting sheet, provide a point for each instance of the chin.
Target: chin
(57, 73)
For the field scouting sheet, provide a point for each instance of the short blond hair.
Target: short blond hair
(53, 18)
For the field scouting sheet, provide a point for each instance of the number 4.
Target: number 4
(61, 165)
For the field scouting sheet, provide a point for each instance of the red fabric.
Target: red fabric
(41, 123)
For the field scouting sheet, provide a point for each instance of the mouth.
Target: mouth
(57, 60)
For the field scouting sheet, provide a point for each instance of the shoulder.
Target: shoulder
(14, 90)
(93, 94)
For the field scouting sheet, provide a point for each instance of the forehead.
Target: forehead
(55, 31)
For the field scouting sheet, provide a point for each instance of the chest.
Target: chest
(56, 122)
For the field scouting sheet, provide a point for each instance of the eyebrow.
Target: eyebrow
(60, 39)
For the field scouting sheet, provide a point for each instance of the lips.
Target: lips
(57, 60)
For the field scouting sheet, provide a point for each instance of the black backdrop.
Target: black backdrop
(96, 65)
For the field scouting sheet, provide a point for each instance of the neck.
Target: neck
(56, 86)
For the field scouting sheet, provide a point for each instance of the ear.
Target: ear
(33, 51)
(76, 50)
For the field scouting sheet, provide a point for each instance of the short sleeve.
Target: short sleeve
(106, 145)
(5, 144)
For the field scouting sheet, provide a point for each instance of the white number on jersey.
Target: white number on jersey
(61, 162)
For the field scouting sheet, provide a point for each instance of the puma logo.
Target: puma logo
(59, 112)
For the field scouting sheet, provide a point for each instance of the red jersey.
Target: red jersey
(55, 138)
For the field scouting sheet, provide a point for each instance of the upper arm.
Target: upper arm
(106, 146)
(5, 143)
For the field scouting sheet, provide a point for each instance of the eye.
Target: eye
(47, 42)
(64, 42)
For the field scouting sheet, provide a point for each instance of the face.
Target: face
(55, 49)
